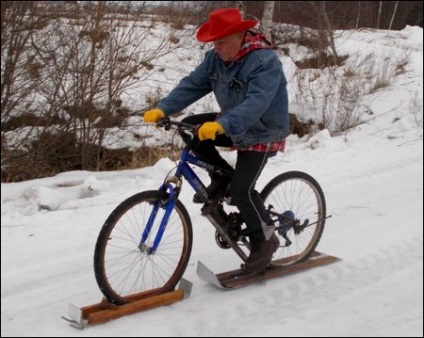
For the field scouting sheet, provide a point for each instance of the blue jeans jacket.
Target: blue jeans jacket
(251, 94)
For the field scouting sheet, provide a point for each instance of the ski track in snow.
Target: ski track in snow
(291, 295)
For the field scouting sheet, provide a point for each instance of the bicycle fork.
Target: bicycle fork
(219, 219)
(168, 205)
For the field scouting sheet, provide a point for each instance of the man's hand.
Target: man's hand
(153, 115)
(208, 130)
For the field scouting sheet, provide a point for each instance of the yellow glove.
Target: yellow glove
(208, 130)
(153, 115)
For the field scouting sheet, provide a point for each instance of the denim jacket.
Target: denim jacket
(250, 92)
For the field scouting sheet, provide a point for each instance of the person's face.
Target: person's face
(228, 47)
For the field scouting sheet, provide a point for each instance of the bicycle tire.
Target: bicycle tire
(300, 193)
(123, 271)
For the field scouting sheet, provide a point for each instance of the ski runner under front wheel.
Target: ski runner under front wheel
(126, 262)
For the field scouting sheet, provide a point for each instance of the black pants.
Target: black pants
(249, 166)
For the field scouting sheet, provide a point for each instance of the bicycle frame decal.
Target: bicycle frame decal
(185, 170)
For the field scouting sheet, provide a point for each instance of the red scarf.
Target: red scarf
(251, 41)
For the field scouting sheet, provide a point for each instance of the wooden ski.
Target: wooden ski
(238, 278)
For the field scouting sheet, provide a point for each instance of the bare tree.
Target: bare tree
(18, 67)
(380, 9)
(393, 14)
(358, 15)
(108, 55)
(267, 19)
(240, 6)
(325, 28)
(73, 71)
(330, 32)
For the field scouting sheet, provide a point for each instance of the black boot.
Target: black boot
(261, 254)
(217, 183)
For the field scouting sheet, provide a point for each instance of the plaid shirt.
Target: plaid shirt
(265, 147)
(252, 41)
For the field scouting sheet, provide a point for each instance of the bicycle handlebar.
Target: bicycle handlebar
(167, 123)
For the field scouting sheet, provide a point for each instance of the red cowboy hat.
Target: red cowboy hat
(222, 23)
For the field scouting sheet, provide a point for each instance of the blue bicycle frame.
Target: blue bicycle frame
(183, 170)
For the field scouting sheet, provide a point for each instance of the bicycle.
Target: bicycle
(145, 244)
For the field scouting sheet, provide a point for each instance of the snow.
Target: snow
(372, 177)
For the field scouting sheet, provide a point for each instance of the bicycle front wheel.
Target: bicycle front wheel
(126, 270)
(299, 196)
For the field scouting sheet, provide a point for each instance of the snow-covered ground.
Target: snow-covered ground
(372, 178)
